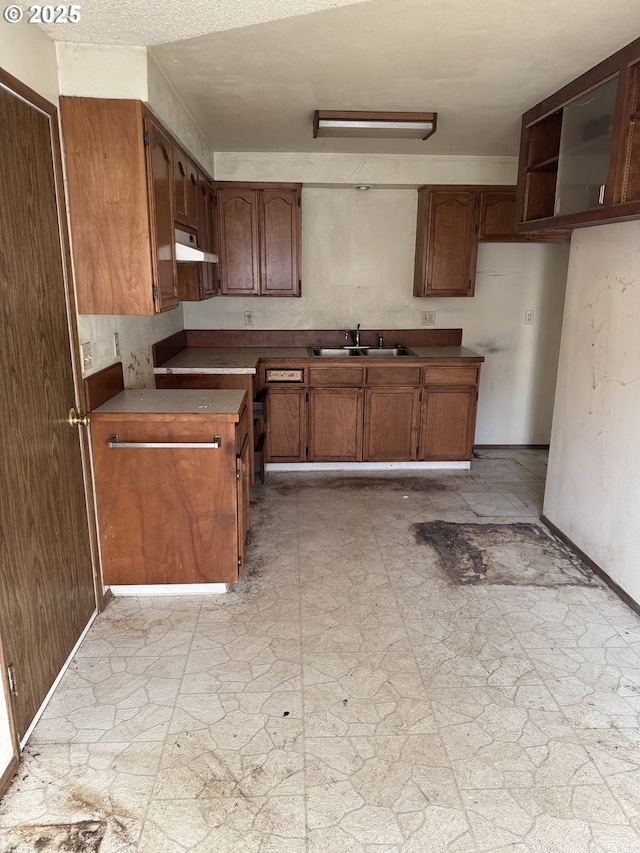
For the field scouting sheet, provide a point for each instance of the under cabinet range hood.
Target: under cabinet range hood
(187, 249)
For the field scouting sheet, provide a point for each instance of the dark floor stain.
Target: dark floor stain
(82, 837)
(360, 485)
(513, 554)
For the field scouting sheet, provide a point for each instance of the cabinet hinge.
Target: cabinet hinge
(476, 202)
(299, 202)
(237, 475)
(306, 397)
(145, 137)
(477, 393)
(239, 561)
(13, 683)
(154, 291)
(477, 228)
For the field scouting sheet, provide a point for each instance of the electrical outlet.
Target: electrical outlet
(248, 318)
(85, 354)
(428, 318)
(116, 345)
(529, 317)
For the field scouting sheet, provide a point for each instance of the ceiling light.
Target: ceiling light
(363, 187)
(381, 125)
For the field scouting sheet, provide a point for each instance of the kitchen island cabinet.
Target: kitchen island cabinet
(172, 482)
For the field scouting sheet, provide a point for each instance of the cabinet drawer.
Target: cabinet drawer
(336, 377)
(459, 375)
(393, 375)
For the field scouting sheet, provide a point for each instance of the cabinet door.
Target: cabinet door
(446, 242)
(391, 424)
(286, 425)
(335, 424)
(180, 181)
(160, 170)
(166, 514)
(238, 242)
(280, 243)
(498, 220)
(447, 423)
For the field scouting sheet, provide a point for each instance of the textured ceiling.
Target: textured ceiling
(253, 84)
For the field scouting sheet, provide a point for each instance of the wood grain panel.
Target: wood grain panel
(103, 385)
(394, 375)
(168, 515)
(335, 424)
(169, 347)
(462, 375)
(336, 377)
(280, 242)
(162, 214)
(318, 337)
(391, 424)
(447, 425)
(107, 185)
(46, 584)
(238, 242)
(286, 425)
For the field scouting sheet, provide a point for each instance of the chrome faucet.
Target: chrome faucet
(355, 333)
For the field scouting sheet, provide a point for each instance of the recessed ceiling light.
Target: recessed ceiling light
(378, 125)
(363, 187)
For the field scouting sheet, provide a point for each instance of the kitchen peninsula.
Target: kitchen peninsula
(321, 404)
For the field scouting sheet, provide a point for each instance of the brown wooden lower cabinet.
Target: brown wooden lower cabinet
(335, 424)
(391, 424)
(377, 413)
(286, 425)
(447, 424)
(170, 513)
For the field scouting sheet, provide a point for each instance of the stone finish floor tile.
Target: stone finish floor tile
(346, 696)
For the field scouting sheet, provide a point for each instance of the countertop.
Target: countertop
(223, 360)
(161, 401)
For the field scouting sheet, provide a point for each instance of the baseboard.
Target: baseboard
(510, 446)
(119, 591)
(632, 603)
(367, 466)
(9, 773)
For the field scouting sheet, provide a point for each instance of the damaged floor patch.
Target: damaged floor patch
(82, 837)
(512, 554)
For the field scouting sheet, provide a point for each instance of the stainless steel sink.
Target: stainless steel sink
(387, 351)
(335, 352)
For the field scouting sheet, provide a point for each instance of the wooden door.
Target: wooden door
(238, 241)
(280, 242)
(391, 424)
(335, 424)
(446, 242)
(46, 585)
(447, 426)
(286, 425)
(159, 170)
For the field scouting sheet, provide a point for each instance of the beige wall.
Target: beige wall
(357, 266)
(29, 54)
(592, 490)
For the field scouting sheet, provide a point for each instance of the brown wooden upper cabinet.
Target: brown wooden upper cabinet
(185, 177)
(198, 281)
(119, 163)
(452, 220)
(580, 149)
(259, 239)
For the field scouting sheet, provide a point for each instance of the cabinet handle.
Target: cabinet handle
(115, 444)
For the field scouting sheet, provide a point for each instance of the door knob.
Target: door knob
(77, 419)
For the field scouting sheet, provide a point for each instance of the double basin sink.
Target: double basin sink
(368, 352)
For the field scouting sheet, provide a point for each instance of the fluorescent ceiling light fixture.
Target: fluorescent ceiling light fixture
(381, 125)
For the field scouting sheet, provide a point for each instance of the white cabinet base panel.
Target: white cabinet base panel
(367, 466)
(170, 589)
